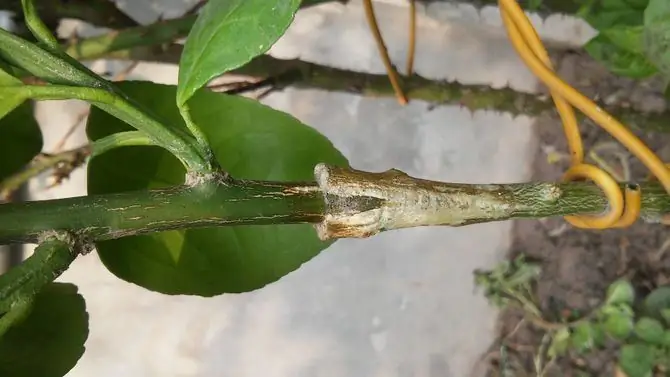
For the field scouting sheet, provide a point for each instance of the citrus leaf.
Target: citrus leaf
(20, 139)
(228, 34)
(250, 141)
(637, 360)
(50, 338)
(9, 100)
(649, 330)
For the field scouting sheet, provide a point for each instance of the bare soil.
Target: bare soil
(578, 265)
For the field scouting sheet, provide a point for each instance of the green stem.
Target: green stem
(200, 136)
(37, 27)
(118, 140)
(74, 80)
(172, 139)
(210, 203)
(42, 163)
(50, 259)
(344, 203)
(156, 34)
(97, 12)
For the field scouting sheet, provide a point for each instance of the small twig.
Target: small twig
(411, 51)
(121, 76)
(63, 163)
(195, 8)
(73, 127)
(383, 52)
(243, 87)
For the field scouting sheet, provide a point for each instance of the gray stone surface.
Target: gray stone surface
(400, 304)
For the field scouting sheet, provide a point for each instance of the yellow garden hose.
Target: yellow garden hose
(623, 208)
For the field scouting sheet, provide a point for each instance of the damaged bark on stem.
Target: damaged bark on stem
(342, 203)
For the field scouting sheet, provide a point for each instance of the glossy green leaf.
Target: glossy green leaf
(656, 302)
(50, 339)
(227, 35)
(620, 292)
(618, 60)
(250, 141)
(649, 330)
(20, 139)
(9, 100)
(637, 360)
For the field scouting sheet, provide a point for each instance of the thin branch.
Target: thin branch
(96, 12)
(63, 163)
(343, 203)
(411, 50)
(151, 43)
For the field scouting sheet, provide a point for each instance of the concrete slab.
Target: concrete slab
(399, 304)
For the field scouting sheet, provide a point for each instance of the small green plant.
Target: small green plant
(638, 326)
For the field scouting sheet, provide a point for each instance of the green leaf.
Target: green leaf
(618, 60)
(649, 330)
(50, 339)
(620, 292)
(619, 324)
(227, 35)
(665, 314)
(637, 360)
(20, 139)
(627, 38)
(250, 141)
(9, 100)
(656, 10)
(656, 40)
(586, 336)
(612, 14)
(666, 338)
(559, 343)
(657, 301)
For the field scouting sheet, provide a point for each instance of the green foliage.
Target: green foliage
(509, 282)
(20, 139)
(644, 340)
(48, 338)
(228, 34)
(251, 141)
(657, 303)
(628, 43)
(657, 35)
(637, 360)
(20, 135)
(605, 14)
(620, 292)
